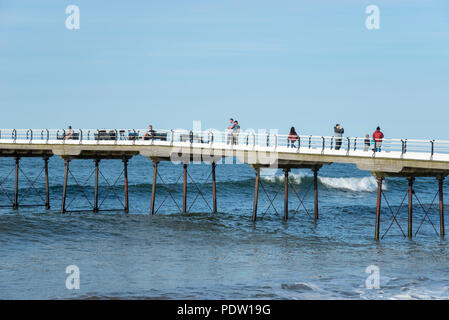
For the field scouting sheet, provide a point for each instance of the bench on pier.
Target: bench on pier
(110, 135)
(74, 136)
(191, 138)
(162, 136)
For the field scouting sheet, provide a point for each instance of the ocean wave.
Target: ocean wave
(355, 184)
(365, 184)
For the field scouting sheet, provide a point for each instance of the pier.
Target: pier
(404, 158)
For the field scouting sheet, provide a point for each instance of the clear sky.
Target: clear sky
(269, 64)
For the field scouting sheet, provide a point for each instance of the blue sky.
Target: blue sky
(269, 64)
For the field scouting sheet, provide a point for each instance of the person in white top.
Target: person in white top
(69, 133)
(229, 131)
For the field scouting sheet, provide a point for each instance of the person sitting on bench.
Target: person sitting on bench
(149, 134)
(69, 134)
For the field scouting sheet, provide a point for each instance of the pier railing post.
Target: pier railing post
(378, 206)
(153, 189)
(440, 179)
(47, 185)
(256, 193)
(97, 162)
(64, 188)
(184, 189)
(214, 188)
(315, 189)
(125, 177)
(410, 206)
(16, 188)
(286, 170)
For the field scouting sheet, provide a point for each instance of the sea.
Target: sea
(45, 254)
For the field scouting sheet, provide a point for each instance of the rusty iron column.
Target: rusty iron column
(256, 193)
(440, 192)
(410, 206)
(64, 189)
(153, 190)
(214, 188)
(125, 176)
(97, 162)
(184, 199)
(378, 206)
(286, 170)
(16, 188)
(315, 189)
(47, 185)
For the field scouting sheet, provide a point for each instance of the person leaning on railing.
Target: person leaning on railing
(229, 130)
(377, 137)
(235, 132)
(367, 143)
(292, 138)
(338, 133)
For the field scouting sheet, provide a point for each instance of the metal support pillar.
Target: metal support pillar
(315, 189)
(214, 188)
(286, 170)
(440, 192)
(47, 185)
(16, 189)
(125, 176)
(153, 190)
(410, 206)
(64, 189)
(256, 193)
(379, 201)
(97, 162)
(184, 199)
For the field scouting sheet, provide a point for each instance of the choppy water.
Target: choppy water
(225, 255)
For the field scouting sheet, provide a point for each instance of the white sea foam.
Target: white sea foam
(355, 184)
(365, 184)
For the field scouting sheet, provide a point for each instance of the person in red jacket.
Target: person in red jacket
(377, 137)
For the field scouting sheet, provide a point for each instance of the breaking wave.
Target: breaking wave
(355, 184)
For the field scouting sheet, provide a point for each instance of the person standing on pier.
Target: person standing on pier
(377, 137)
(292, 137)
(229, 130)
(235, 132)
(367, 143)
(338, 133)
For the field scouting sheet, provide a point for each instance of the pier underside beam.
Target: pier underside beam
(153, 188)
(64, 188)
(97, 164)
(378, 206)
(412, 195)
(286, 171)
(184, 190)
(125, 178)
(16, 184)
(440, 179)
(47, 185)
(315, 189)
(214, 188)
(410, 206)
(19, 195)
(256, 193)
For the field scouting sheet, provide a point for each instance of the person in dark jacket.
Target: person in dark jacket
(338, 133)
(292, 137)
(150, 133)
(377, 138)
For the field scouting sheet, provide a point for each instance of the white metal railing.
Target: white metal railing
(242, 139)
